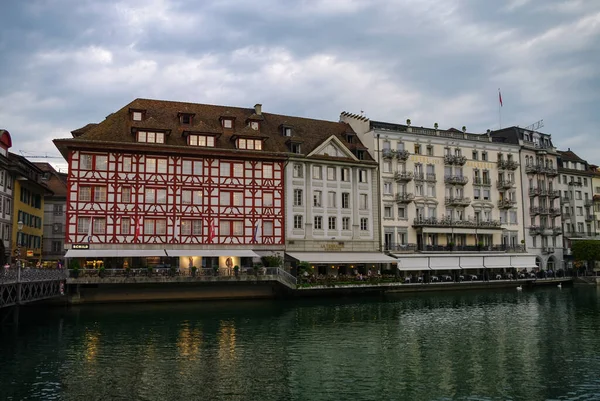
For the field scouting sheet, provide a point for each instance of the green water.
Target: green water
(543, 344)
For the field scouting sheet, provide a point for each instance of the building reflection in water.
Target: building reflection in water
(227, 341)
(91, 340)
(189, 342)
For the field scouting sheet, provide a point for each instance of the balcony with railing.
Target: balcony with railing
(588, 203)
(533, 192)
(566, 216)
(534, 169)
(486, 182)
(556, 231)
(405, 197)
(535, 230)
(388, 153)
(589, 218)
(547, 250)
(453, 201)
(565, 199)
(554, 193)
(449, 222)
(544, 211)
(534, 211)
(456, 179)
(550, 172)
(403, 176)
(554, 211)
(429, 177)
(507, 165)
(402, 155)
(455, 159)
(575, 184)
(505, 184)
(506, 203)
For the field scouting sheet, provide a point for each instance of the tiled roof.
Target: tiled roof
(163, 115)
(56, 182)
(80, 131)
(570, 156)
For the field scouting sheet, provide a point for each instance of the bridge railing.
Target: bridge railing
(29, 275)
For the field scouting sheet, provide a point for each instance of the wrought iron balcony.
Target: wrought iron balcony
(425, 177)
(534, 211)
(589, 218)
(556, 231)
(554, 193)
(505, 184)
(401, 248)
(544, 210)
(575, 184)
(388, 153)
(404, 197)
(588, 203)
(403, 176)
(550, 172)
(456, 180)
(451, 201)
(507, 165)
(402, 155)
(554, 211)
(534, 192)
(565, 199)
(534, 169)
(506, 203)
(547, 250)
(482, 181)
(543, 192)
(453, 159)
(535, 230)
(449, 222)
(566, 216)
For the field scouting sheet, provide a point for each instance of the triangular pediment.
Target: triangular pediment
(332, 147)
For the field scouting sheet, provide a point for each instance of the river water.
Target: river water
(501, 345)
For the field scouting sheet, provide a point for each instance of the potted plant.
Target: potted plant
(172, 271)
(194, 270)
(216, 270)
(127, 271)
(480, 246)
(149, 270)
(74, 268)
(101, 271)
(236, 270)
(450, 245)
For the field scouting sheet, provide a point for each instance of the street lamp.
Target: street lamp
(19, 239)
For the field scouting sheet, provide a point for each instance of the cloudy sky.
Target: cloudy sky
(65, 63)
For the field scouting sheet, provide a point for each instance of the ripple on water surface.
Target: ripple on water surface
(478, 346)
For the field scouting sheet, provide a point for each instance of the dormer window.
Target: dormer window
(186, 118)
(295, 148)
(350, 138)
(287, 131)
(250, 144)
(201, 140)
(137, 115)
(227, 123)
(150, 137)
(254, 125)
(360, 154)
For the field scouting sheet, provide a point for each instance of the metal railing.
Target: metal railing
(507, 165)
(402, 155)
(405, 197)
(454, 159)
(403, 176)
(30, 275)
(482, 181)
(458, 201)
(506, 203)
(456, 179)
(505, 184)
(449, 222)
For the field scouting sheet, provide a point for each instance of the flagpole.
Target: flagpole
(499, 109)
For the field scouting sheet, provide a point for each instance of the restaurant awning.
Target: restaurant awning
(413, 264)
(523, 261)
(497, 262)
(444, 263)
(341, 257)
(113, 253)
(471, 262)
(212, 252)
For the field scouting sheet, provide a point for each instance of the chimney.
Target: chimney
(258, 109)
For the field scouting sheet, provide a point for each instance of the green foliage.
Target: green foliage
(272, 261)
(586, 250)
(194, 269)
(74, 265)
(101, 271)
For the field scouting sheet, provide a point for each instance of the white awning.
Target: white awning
(497, 262)
(113, 253)
(471, 262)
(444, 263)
(413, 264)
(212, 252)
(523, 261)
(341, 257)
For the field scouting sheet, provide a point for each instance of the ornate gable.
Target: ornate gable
(333, 147)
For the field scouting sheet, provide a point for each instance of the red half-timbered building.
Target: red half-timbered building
(159, 180)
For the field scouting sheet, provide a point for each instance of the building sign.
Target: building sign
(29, 254)
(333, 247)
(80, 246)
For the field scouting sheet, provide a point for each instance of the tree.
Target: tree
(586, 250)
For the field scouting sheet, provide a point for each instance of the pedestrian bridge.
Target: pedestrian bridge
(21, 286)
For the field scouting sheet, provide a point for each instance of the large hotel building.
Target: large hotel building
(185, 184)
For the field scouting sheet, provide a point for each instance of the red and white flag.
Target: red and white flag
(500, 97)
(90, 230)
(211, 231)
